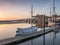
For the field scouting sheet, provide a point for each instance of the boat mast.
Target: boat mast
(53, 7)
(31, 13)
(50, 11)
(54, 13)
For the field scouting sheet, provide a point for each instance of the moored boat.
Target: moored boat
(26, 31)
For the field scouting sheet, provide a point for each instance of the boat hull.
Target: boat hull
(26, 31)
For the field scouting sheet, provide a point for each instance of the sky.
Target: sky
(21, 9)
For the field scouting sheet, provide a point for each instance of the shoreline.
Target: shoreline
(10, 22)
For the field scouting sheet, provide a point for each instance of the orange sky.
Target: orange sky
(12, 12)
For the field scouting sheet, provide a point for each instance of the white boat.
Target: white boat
(26, 31)
(29, 30)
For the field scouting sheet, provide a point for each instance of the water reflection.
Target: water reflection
(54, 37)
(47, 39)
(9, 30)
(43, 39)
(32, 42)
(54, 33)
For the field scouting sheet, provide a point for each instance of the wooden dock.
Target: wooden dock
(15, 40)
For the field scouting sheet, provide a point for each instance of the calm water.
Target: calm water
(9, 30)
(48, 39)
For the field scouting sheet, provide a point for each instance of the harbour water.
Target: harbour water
(9, 30)
(48, 39)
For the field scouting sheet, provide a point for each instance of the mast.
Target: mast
(50, 11)
(31, 13)
(54, 13)
(53, 7)
(31, 10)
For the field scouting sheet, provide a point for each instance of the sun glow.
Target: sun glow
(13, 14)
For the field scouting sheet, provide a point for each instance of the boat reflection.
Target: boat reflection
(32, 42)
(57, 30)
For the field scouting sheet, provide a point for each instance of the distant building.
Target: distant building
(55, 18)
(39, 20)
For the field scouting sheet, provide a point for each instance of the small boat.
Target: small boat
(26, 31)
